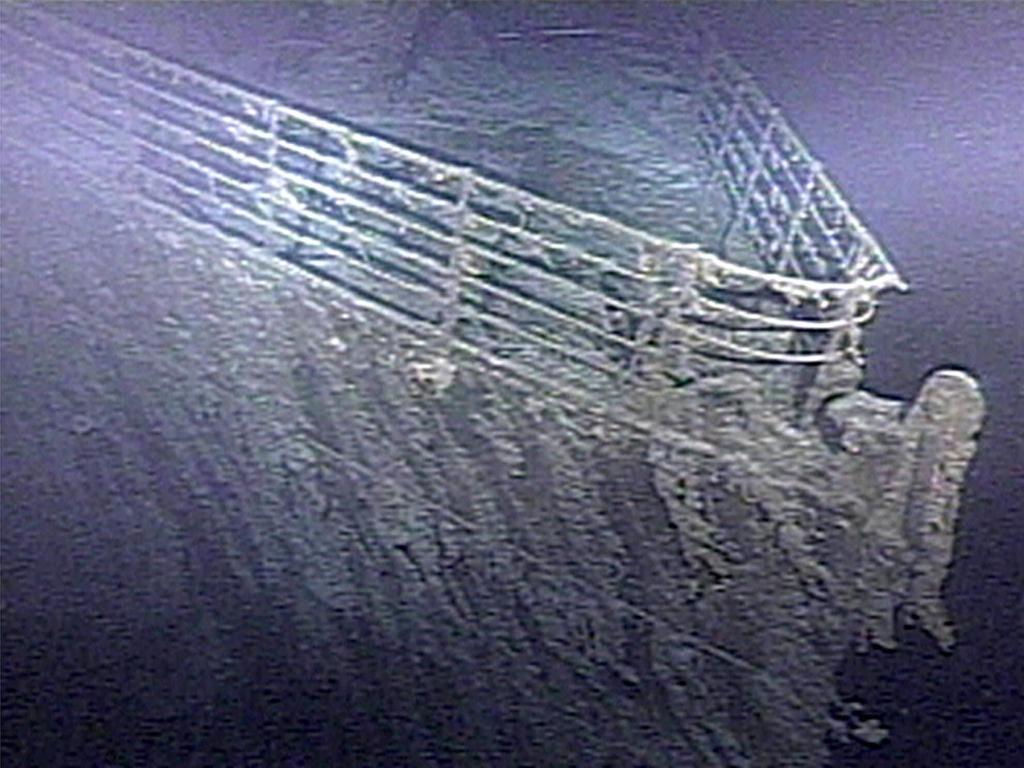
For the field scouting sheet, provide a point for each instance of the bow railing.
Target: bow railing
(468, 260)
(781, 198)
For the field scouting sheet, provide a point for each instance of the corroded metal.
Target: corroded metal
(646, 460)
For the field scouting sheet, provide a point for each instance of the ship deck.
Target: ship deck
(558, 102)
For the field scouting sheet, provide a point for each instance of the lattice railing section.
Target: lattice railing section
(549, 291)
(793, 213)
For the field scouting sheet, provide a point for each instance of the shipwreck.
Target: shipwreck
(612, 461)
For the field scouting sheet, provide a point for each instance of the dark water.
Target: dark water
(917, 111)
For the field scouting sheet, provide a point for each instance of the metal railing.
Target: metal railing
(468, 259)
(782, 199)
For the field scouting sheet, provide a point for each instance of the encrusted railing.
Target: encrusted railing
(466, 260)
(781, 198)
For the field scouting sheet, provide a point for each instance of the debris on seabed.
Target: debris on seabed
(82, 424)
(870, 731)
